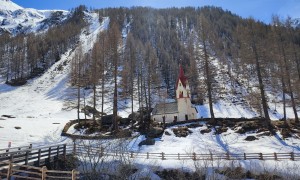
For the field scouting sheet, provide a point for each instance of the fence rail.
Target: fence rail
(16, 149)
(15, 170)
(17, 163)
(89, 151)
(37, 156)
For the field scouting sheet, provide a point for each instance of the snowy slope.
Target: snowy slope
(217, 143)
(9, 5)
(38, 107)
(15, 19)
(232, 101)
(230, 141)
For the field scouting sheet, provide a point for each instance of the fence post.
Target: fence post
(163, 156)
(57, 152)
(211, 156)
(49, 154)
(261, 156)
(74, 147)
(44, 169)
(292, 156)
(178, 156)
(194, 156)
(102, 151)
(9, 170)
(73, 174)
(227, 155)
(245, 156)
(147, 155)
(26, 157)
(12, 157)
(131, 154)
(275, 156)
(65, 151)
(39, 157)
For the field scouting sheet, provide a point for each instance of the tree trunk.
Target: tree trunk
(283, 97)
(208, 83)
(94, 100)
(115, 100)
(78, 102)
(102, 94)
(261, 85)
(204, 36)
(290, 88)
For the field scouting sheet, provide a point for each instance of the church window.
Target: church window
(181, 94)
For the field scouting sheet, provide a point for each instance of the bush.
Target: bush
(203, 131)
(17, 82)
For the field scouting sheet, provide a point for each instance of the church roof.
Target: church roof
(181, 77)
(165, 108)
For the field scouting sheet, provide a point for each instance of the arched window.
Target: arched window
(181, 94)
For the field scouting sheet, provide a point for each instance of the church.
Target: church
(182, 109)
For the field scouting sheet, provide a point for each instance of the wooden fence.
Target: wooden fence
(189, 156)
(17, 162)
(42, 155)
(37, 173)
(14, 149)
(37, 156)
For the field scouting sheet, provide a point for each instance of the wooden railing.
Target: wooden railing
(189, 156)
(37, 156)
(14, 149)
(40, 156)
(26, 163)
(36, 173)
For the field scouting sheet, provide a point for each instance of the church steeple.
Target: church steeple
(182, 85)
(181, 78)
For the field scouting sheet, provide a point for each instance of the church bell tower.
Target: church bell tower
(183, 96)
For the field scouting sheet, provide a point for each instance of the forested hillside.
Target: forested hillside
(224, 56)
(25, 56)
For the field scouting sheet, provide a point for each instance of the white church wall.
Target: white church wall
(168, 117)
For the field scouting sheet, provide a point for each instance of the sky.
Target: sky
(259, 9)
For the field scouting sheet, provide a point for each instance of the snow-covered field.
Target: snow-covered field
(229, 141)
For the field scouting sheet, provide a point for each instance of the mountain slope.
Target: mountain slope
(40, 103)
(15, 19)
(8, 5)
